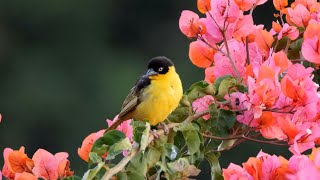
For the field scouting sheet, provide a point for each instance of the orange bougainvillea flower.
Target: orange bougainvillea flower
(276, 26)
(209, 75)
(204, 5)
(245, 5)
(264, 40)
(281, 60)
(280, 4)
(25, 176)
(201, 54)
(254, 167)
(265, 120)
(87, 144)
(18, 161)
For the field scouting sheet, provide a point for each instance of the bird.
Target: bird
(154, 96)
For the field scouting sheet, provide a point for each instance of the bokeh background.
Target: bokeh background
(67, 65)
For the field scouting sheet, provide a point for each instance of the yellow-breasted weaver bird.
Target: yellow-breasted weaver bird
(155, 95)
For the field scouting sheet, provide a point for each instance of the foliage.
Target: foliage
(259, 86)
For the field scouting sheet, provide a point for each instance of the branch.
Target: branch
(120, 166)
(243, 137)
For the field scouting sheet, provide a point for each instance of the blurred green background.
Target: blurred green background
(67, 65)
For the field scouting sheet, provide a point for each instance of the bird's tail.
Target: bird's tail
(115, 124)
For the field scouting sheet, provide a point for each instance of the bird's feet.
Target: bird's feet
(154, 134)
(163, 126)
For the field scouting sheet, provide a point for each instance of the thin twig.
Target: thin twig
(247, 50)
(229, 56)
(287, 45)
(243, 137)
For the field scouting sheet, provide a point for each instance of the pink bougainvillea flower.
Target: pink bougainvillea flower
(221, 18)
(202, 104)
(302, 168)
(315, 156)
(189, 24)
(235, 172)
(311, 45)
(209, 75)
(224, 11)
(305, 139)
(288, 31)
(244, 27)
(260, 2)
(298, 15)
(46, 165)
(204, 5)
(298, 85)
(223, 66)
(87, 144)
(201, 54)
(124, 127)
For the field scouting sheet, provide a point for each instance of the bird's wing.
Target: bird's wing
(134, 97)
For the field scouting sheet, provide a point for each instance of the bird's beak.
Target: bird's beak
(150, 72)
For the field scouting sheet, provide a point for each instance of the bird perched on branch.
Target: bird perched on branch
(155, 95)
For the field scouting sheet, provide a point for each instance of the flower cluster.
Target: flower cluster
(282, 101)
(43, 164)
(266, 166)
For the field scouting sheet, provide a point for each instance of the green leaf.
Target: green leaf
(199, 84)
(178, 165)
(218, 81)
(152, 156)
(109, 138)
(145, 137)
(102, 144)
(171, 151)
(281, 44)
(138, 128)
(92, 173)
(179, 114)
(200, 89)
(179, 140)
(225, 85)
(72, 178)
(226, 144)
(134, 176)
(241, 88)
(118, 147)
(138, 164)
(191, 137)
(295, 49)
(227, 117)
(215, 166)
(94, 157)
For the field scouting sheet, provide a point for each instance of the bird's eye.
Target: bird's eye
(160, 69)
